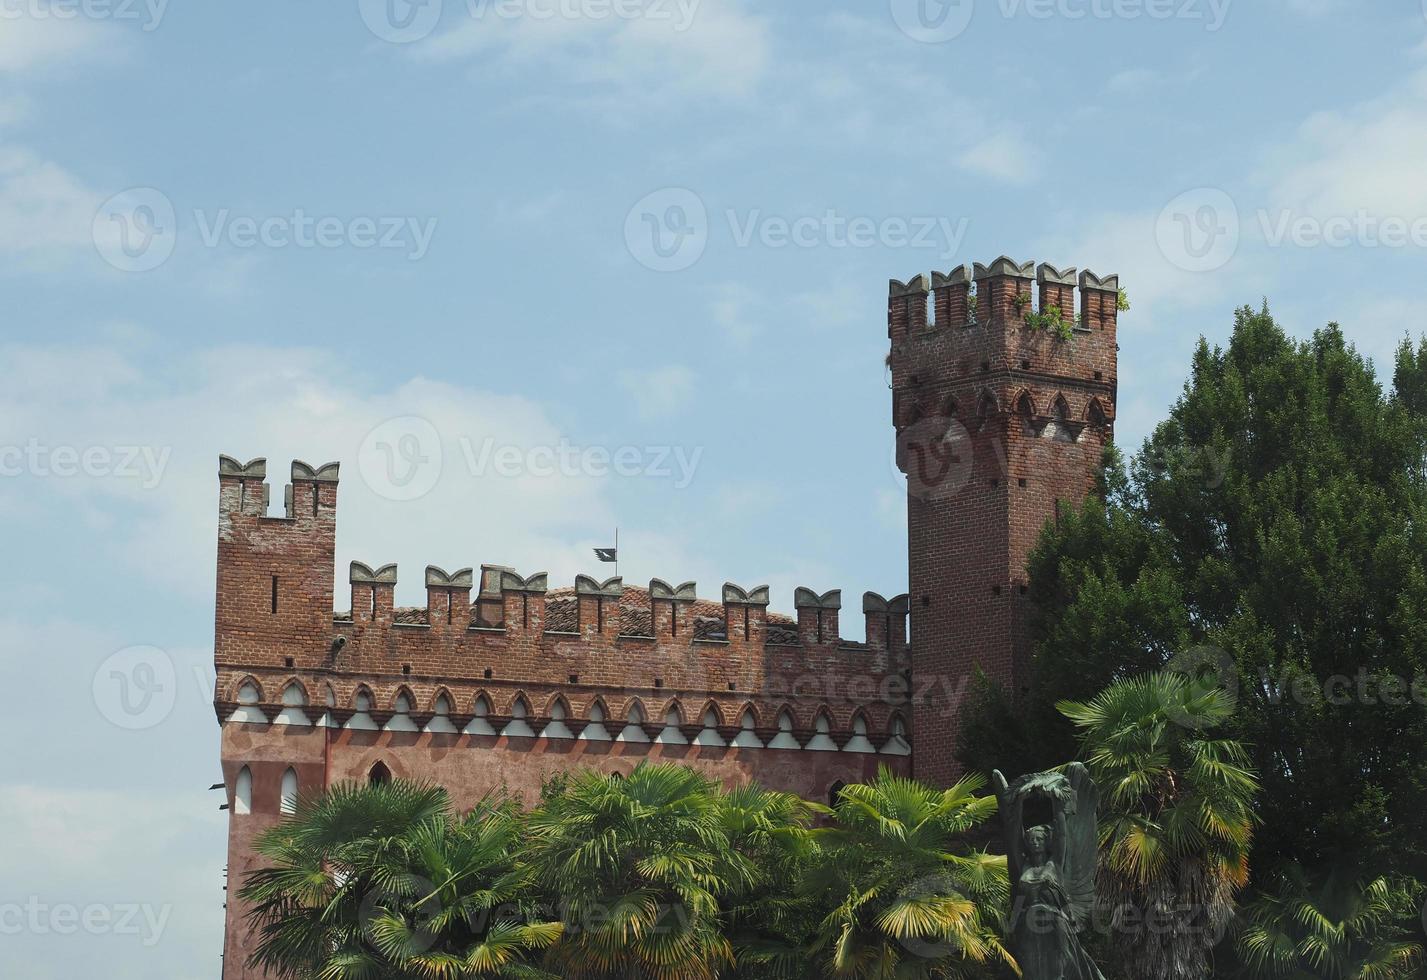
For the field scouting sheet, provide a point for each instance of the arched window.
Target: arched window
(1097, 414)
(834, 795)
(1024, 408)
(785, 738)
(380, 775)
(633, 730)
(671, 734)
(243, 792)
(289, 791)
(747, 738)
(480, 720)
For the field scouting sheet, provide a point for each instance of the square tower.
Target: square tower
(1003, 399)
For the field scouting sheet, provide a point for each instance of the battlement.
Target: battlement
(1000, 294)
(519, 644)
(993, 349)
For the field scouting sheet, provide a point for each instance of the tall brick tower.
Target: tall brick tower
(1003, 401)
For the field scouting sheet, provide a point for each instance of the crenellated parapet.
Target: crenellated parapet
(493, 648)
(1007, 341)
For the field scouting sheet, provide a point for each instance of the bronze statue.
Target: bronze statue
(1052, 870)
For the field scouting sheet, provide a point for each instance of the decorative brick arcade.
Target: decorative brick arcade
(501, 681)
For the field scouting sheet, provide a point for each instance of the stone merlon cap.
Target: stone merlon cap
(917, 285)
(735, 596)
(326, 473)
(437, 578)
(253, 469)
(1006, 267)
(660, 589)
(490, 578)
(611, 588)
(512, 582)
(1045, 272)
(808, 599)
(1089, 280)
(960, 276)
(874, 603)
(362, 574)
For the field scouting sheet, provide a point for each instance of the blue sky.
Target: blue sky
(655, 235)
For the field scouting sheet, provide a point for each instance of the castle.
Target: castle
(1003, 401)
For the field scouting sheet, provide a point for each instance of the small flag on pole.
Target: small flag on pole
(607, 554)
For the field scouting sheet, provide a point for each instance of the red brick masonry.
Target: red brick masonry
(500, 681)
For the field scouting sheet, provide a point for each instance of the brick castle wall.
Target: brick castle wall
(500, 682)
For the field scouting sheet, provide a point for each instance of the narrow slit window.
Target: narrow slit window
(274, 596)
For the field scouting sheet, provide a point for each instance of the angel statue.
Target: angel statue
(1052, 870)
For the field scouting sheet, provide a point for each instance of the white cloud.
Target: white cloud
(296, 403)
(1134, 80)
(42, 205)
(29, 44)
(732, 311)
(713, 47)
(1368, 158)
(1004, 156)
(659, 392)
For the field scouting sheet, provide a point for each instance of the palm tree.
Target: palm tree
(1176, 823)
(638, 867)
(382, 881)
(905, 894)
(1338, 930)
(771, 921)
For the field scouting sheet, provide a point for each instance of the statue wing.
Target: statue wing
(1082, 843)
(1010, 805)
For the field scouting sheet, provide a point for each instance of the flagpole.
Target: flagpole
(616, 552)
